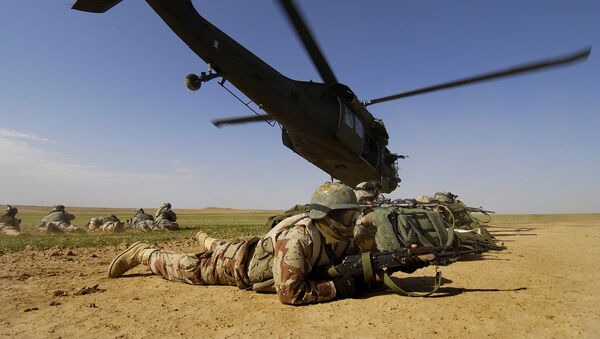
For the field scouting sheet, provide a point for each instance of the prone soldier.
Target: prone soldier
(142, 221)
(282, 261)
(109, 223)
(58, 221)
(9, 224)
(165, 218)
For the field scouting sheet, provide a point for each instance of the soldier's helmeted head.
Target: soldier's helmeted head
(445, 197)
(367, 192)
(335, 209)
(166, 205)
(95, 221)
(59, 208)
(11, 210)
(138, 211)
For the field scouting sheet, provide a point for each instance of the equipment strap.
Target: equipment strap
(367, 268)
(387, 280)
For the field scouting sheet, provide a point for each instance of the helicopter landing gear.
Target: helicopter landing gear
(193, 81)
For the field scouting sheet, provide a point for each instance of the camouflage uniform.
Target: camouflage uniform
(108, 223)
(366, 194)
(142, 221)
(286, 260)
(165, 218)
(299, 250)
(58, 221)
(9, 224)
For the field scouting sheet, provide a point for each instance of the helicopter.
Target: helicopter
(323, 122)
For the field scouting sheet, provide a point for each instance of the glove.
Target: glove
(412, 264)
(348, 286)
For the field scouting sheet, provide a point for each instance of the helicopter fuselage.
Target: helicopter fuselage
(323, 123)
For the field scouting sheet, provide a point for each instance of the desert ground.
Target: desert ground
(546, 285)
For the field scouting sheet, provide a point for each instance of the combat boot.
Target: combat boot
(206, 242)
(138, 253)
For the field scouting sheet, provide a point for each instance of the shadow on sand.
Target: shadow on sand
(425, 284)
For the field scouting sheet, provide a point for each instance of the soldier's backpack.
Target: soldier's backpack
(295, 210)
(466, 226)
(399, 227)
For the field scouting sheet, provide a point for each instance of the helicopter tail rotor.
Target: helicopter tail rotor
(545, 64)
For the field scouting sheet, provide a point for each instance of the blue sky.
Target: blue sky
(94, 111)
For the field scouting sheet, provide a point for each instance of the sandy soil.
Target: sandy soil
(546, 285)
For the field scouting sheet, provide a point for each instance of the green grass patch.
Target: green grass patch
(219, 223)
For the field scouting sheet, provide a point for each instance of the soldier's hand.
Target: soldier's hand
(348, 286)
(412, 264)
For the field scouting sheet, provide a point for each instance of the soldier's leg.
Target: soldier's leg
(224, 265)
(207, 243)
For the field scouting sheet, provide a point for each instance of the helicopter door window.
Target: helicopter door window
(349, 119)
(358, 127)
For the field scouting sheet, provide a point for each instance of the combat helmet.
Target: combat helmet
(366, 190)
(138, 211)
(331, 196)
(59, 207)
(446, 197)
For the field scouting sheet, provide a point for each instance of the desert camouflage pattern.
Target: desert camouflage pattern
(165, 212)
(141, 216)
(144, 226)
(106, 224)
(60, 227)
(9, 224)
(142, 221)
(164, 224)
(298, 252)
(165, 218)
(364, 231)
(58, 216)
(224, 265)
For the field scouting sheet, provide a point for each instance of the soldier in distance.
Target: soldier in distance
(9, 224)
(59, 221)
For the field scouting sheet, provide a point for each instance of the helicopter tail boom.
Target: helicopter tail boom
(95, 6)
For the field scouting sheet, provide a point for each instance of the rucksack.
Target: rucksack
(276, 219)
(399, 227)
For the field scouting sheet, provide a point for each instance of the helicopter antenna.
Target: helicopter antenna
(244, 119)
(564, 60)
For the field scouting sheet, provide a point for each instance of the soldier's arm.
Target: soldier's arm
(291, 267)
(364, 234)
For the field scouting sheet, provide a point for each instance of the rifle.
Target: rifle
(384, 263)
(479, 210)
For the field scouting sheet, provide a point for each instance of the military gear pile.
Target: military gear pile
(456, 213)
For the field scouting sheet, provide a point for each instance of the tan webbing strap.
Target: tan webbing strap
(387, 280)
(367, 268)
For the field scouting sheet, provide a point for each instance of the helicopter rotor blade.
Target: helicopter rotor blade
(564, 60)
(242, 120)
(310, 44)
